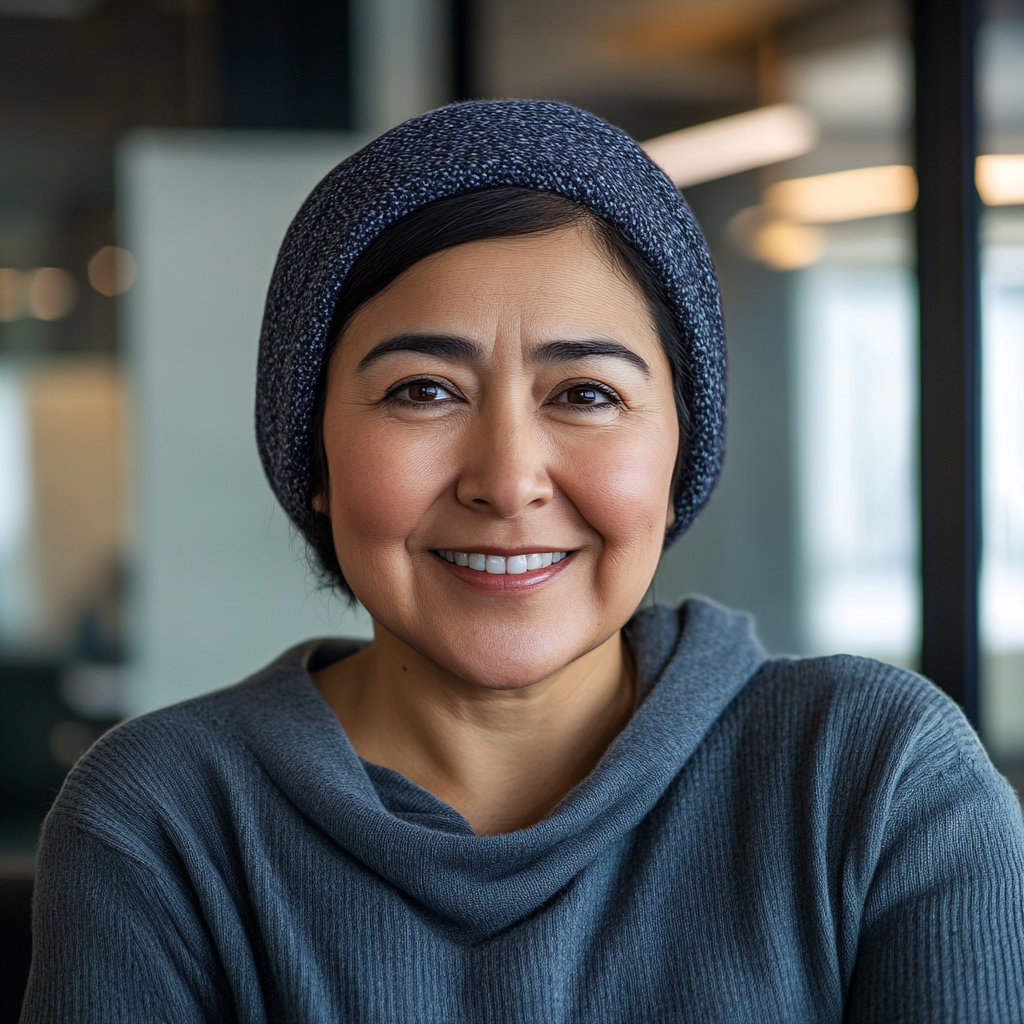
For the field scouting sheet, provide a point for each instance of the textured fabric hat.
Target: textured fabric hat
(526, 143)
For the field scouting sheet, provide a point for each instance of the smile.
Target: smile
(501, 565)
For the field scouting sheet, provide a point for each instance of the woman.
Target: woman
(490, 391)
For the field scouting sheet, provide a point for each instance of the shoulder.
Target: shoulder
(800, 699)
(183, 759)
(871, 731)
(829, 711)
(862, 695)
(850, 680)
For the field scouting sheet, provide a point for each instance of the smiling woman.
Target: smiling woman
(490, 391)
(507, 399)
(496, 213)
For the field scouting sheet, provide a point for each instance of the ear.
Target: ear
(320, 504)
(670, 516)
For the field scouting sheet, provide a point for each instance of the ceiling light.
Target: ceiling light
(773, 240)
(784, 245)
(845, 195)
(1000, 179)
(733, 144)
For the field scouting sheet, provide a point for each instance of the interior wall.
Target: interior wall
(220, 582)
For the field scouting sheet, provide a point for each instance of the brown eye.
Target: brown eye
(420, 392)
(586, 394)
(425, 392)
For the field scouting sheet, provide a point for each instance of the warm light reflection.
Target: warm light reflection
(784, 245)
(46, 293)
(780, 243)
(112, 270)
(1000, 179)
(12, 294)
(778, 232)
(51, 293)
(733, 144)
(844, 195)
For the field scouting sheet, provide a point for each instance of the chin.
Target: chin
(506, 658)
(494, 672)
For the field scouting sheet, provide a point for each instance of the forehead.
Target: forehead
(563, 280)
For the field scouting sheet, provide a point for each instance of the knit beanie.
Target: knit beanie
(541, 145)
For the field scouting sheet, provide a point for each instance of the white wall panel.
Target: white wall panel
(221, 585)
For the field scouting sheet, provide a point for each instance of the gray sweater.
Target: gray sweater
(768, 840)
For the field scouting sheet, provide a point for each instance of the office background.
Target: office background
(152, 153)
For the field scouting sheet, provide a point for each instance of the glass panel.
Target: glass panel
(1001, 183)
(855, 352)
(856, 364)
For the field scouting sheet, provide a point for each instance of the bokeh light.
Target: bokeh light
(51, 293)
(112, 270)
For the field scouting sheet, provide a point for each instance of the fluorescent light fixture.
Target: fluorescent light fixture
(845, 195)
(733, 144)
(1000, 179)
(780, 231)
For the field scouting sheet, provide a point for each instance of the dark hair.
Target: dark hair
(473, 217)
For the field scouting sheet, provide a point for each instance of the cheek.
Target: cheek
(382, 480)
(621, 487)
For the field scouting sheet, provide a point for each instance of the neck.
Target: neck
(502, 758)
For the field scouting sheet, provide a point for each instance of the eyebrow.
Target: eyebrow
(448, 346)
(567, 351)
(464, 351)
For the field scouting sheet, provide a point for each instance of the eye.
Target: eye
(588, 395)
(420, 392)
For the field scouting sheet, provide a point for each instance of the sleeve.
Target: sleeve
(114, 941)
(942, 932)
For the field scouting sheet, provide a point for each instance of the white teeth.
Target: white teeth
(499, 565)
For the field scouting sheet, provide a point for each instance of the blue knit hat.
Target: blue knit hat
(547, 146)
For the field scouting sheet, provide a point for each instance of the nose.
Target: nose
(504, 468)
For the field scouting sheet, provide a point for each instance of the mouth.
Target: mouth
(503, 565)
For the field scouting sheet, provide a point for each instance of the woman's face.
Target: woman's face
(505, 398)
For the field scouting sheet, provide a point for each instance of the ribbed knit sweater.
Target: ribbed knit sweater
(768, 840)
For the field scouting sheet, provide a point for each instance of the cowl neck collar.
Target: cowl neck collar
(690, 664)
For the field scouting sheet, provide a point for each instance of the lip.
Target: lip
(479, 549)
(504, 584)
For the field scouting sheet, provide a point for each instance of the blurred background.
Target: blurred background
(152, 153)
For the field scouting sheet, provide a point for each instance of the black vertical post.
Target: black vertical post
(285, 63)
(463, 43)
(945, 35)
